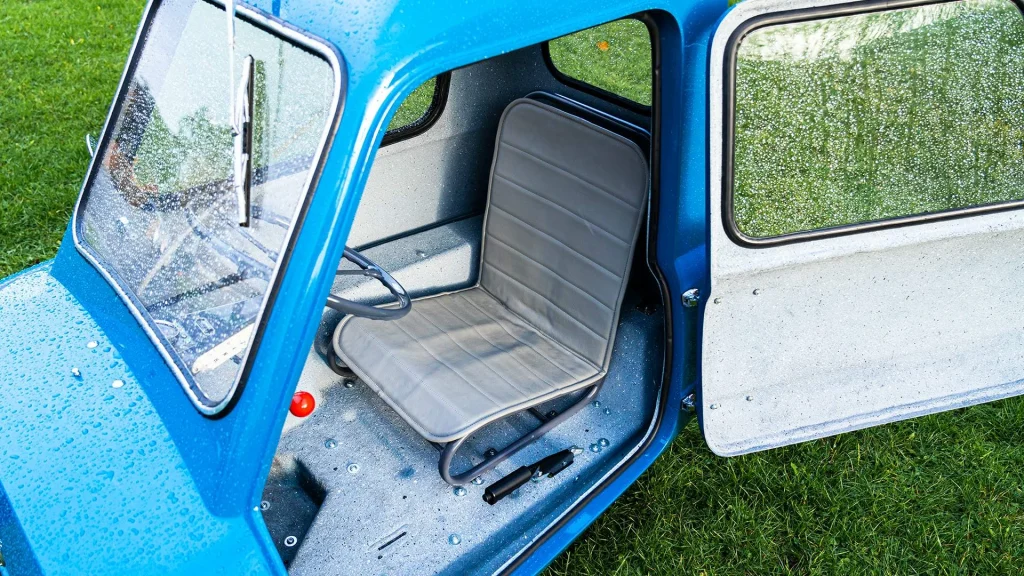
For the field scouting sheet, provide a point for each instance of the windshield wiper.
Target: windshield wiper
(242, 124)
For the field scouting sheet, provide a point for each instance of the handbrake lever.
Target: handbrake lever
(549, 466)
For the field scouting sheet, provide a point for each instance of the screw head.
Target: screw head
(459, 491)
(691, 298)
(330, 443)
(690, 403)
(290, 541)
(603, 443)
(264, 505)
(595, 448)
(477, 481)
(607, 410)
(455, 539)
(597, 403)
(349, 383)
(353, 468)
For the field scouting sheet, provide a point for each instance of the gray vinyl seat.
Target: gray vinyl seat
(564, 211)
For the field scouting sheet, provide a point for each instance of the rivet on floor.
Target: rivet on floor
(603, 443)
(607, 410)
(455, 539)
(350, 383)
(264, 505)
(330, 443)
(353, 468)
(290, 541)
(595, 448)
(459, 491)
(597, 403)
(477, 481)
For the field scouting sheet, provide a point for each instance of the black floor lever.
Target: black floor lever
(548, 466)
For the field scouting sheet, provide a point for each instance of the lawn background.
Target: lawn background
(940, 495)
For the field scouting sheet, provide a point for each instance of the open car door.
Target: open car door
(867, 238)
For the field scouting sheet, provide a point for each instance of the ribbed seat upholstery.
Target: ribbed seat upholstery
(564, 212)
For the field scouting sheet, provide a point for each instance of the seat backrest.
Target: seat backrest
(564, 212)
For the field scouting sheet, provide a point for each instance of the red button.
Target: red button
(303, 404)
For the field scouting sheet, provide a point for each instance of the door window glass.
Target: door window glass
(876, 116)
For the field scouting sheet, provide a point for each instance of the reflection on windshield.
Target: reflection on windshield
(161, 212)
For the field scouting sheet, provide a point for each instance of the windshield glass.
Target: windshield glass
(160, 213)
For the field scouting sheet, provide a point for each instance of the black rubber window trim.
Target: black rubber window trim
(429, 118)
(729, 131)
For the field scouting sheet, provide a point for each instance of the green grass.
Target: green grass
(938, 495)
(615, 57)
(62, 61)
(414, 106)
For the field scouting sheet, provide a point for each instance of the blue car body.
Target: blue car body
(105, 465)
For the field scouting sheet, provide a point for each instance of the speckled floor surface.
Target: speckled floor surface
(385, 509)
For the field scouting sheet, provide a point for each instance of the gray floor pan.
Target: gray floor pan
(386, 509)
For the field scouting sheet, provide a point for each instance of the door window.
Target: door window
(877, 116)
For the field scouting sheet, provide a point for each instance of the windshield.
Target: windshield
(160, 213)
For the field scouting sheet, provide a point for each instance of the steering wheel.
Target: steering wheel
(251, 267)
(369, 269)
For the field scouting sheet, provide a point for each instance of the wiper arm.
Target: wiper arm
(242, 124)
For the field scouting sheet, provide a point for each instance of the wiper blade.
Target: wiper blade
(242, 124)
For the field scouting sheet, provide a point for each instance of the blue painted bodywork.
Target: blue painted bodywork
(96, 479)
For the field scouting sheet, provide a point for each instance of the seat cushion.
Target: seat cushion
(564, 211)
(458, 361)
